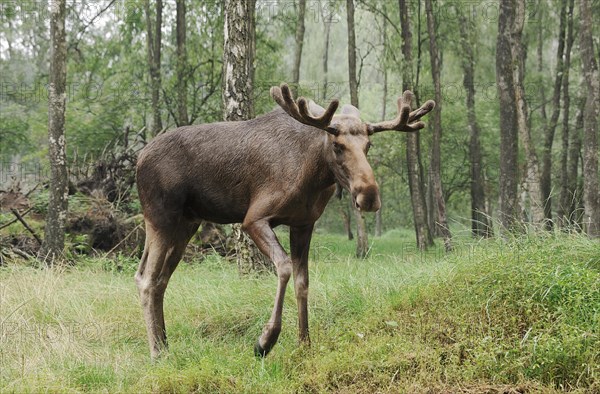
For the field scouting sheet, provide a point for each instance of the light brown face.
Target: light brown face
(351, 168)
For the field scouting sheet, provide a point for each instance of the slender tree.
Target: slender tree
(344, 208)
(591, 194)
(575, 191)
(435, 168)
(182, 118)
(563, 211)
(362, 241)
(532, 175)
(415, 178)
(299, 45)
(480, 223)
(384, 44)
(352, 53)
(238, 60)
(327, 16)
(541, 74)
(546, 179)
(508, 118)
(54, 238)
(343, 204)
(154, 44)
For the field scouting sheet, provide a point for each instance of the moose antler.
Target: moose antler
(299, 109)
(406, 120)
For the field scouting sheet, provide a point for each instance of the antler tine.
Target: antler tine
(277, 95)
(299, 110)
(289, 100)
(424, 110)
(321, 121)
(283, 97)
(405, 121)
(404, 103)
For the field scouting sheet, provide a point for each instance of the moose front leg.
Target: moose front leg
(299, 246)
(263, 236)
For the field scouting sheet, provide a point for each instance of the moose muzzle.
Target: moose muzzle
(366, 198)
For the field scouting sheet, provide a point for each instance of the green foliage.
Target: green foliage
(490, 316)
(13, 132)
(108, 84)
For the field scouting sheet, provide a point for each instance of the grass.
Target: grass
(518, 316)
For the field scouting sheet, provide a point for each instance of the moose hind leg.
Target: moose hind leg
(162, 253)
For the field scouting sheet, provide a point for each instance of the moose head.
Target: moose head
(349, 139)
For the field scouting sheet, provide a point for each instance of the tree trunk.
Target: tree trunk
(431, 206)
(532, 176)
(346, 218)
(384, 70)
(153, 41)
(436, 156)
(574, 190)
(546, 180)
(181, 84)
(299, 44)
(378, 223)
(508, 118)
(480, 222)
(378, 214)
(344, 206)
(327, 23)
(251, 58)
(238, 53)
(591, 195)
(352, 53)
(542, 87)
(564, 204)
(362, 241)
(54, 238)
(415, 179)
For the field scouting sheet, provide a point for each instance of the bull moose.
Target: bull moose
(280, 168)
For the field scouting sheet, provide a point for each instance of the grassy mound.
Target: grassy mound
(520, 316)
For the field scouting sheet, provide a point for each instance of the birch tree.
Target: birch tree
(153, 48)
(54, 238)
(238, 63)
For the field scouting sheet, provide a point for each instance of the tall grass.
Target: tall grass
(520, 315)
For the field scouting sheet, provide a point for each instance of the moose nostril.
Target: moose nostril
(368, 200)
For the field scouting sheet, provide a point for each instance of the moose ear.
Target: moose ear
(315, 109)
(350, 110)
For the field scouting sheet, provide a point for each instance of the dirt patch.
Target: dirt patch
(13, 200)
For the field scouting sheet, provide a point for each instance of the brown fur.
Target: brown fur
(264, 172)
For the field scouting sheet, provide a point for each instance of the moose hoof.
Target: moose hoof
(259, 351)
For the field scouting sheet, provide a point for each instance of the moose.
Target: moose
(280, 168)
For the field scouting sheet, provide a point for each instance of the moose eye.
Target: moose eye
(369, 145)
(338, 148)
